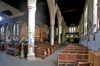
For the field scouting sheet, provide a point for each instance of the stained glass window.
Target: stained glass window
(14, 30)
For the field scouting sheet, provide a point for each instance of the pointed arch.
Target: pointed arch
(51, 11)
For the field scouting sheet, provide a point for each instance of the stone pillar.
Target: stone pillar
(31, 29)
(63, 31)
(59, 25)
(59, 35)
(52, 34)
(59, 32)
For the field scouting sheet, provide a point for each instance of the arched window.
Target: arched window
(74, 29)
(61, 30)
(17, 29)
(0, 18)
(14, 29)
(2, 29)
(70, 29)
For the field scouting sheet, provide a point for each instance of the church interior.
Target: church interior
(49, 32)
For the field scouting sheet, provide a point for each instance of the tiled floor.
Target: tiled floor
(9, 60)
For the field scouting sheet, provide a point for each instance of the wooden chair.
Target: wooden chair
(85, 58)
(85, 52)
(73, 51)
(83, 64)
(79, 52)
(62, 58)
(79, 57)
(65, 51)
(71, 59)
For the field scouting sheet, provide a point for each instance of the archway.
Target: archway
(51, 20)
(31, 26)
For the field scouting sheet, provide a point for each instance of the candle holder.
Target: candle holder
(22, 51)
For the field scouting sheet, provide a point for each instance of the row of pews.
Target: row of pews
(74, 54)
(42, 49)
(45, 49)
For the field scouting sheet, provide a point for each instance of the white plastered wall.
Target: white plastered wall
(94, 41)
(4, 6)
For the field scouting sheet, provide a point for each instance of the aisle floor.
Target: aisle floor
(10, 60)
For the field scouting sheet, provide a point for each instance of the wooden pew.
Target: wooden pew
(46, 49)
(41, 44)
(40, 52)
(1, 47)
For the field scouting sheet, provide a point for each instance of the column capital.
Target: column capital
(31, 8)
(52, 24)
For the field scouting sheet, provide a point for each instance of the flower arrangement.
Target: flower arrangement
(30, 46)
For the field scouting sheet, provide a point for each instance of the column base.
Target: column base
(31, 57)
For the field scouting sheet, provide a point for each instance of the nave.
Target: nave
(80, 53)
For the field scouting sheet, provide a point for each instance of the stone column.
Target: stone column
(63, 31)
(59, 25)
(31, 29)
(59, 32)
(52, 34)
(59, 35)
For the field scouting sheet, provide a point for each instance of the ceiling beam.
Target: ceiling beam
(59, 1)
(70, 10)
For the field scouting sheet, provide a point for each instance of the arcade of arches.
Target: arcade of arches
(39, 36)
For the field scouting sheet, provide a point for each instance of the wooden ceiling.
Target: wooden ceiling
(71, 9)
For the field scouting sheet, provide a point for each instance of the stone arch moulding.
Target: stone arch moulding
(58, 17)
(50, 6)
(51, 11)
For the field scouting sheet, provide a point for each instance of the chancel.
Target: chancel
(49, 32)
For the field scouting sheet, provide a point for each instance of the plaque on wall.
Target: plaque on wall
(88, 38)
(8, 37)
(93, 37)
